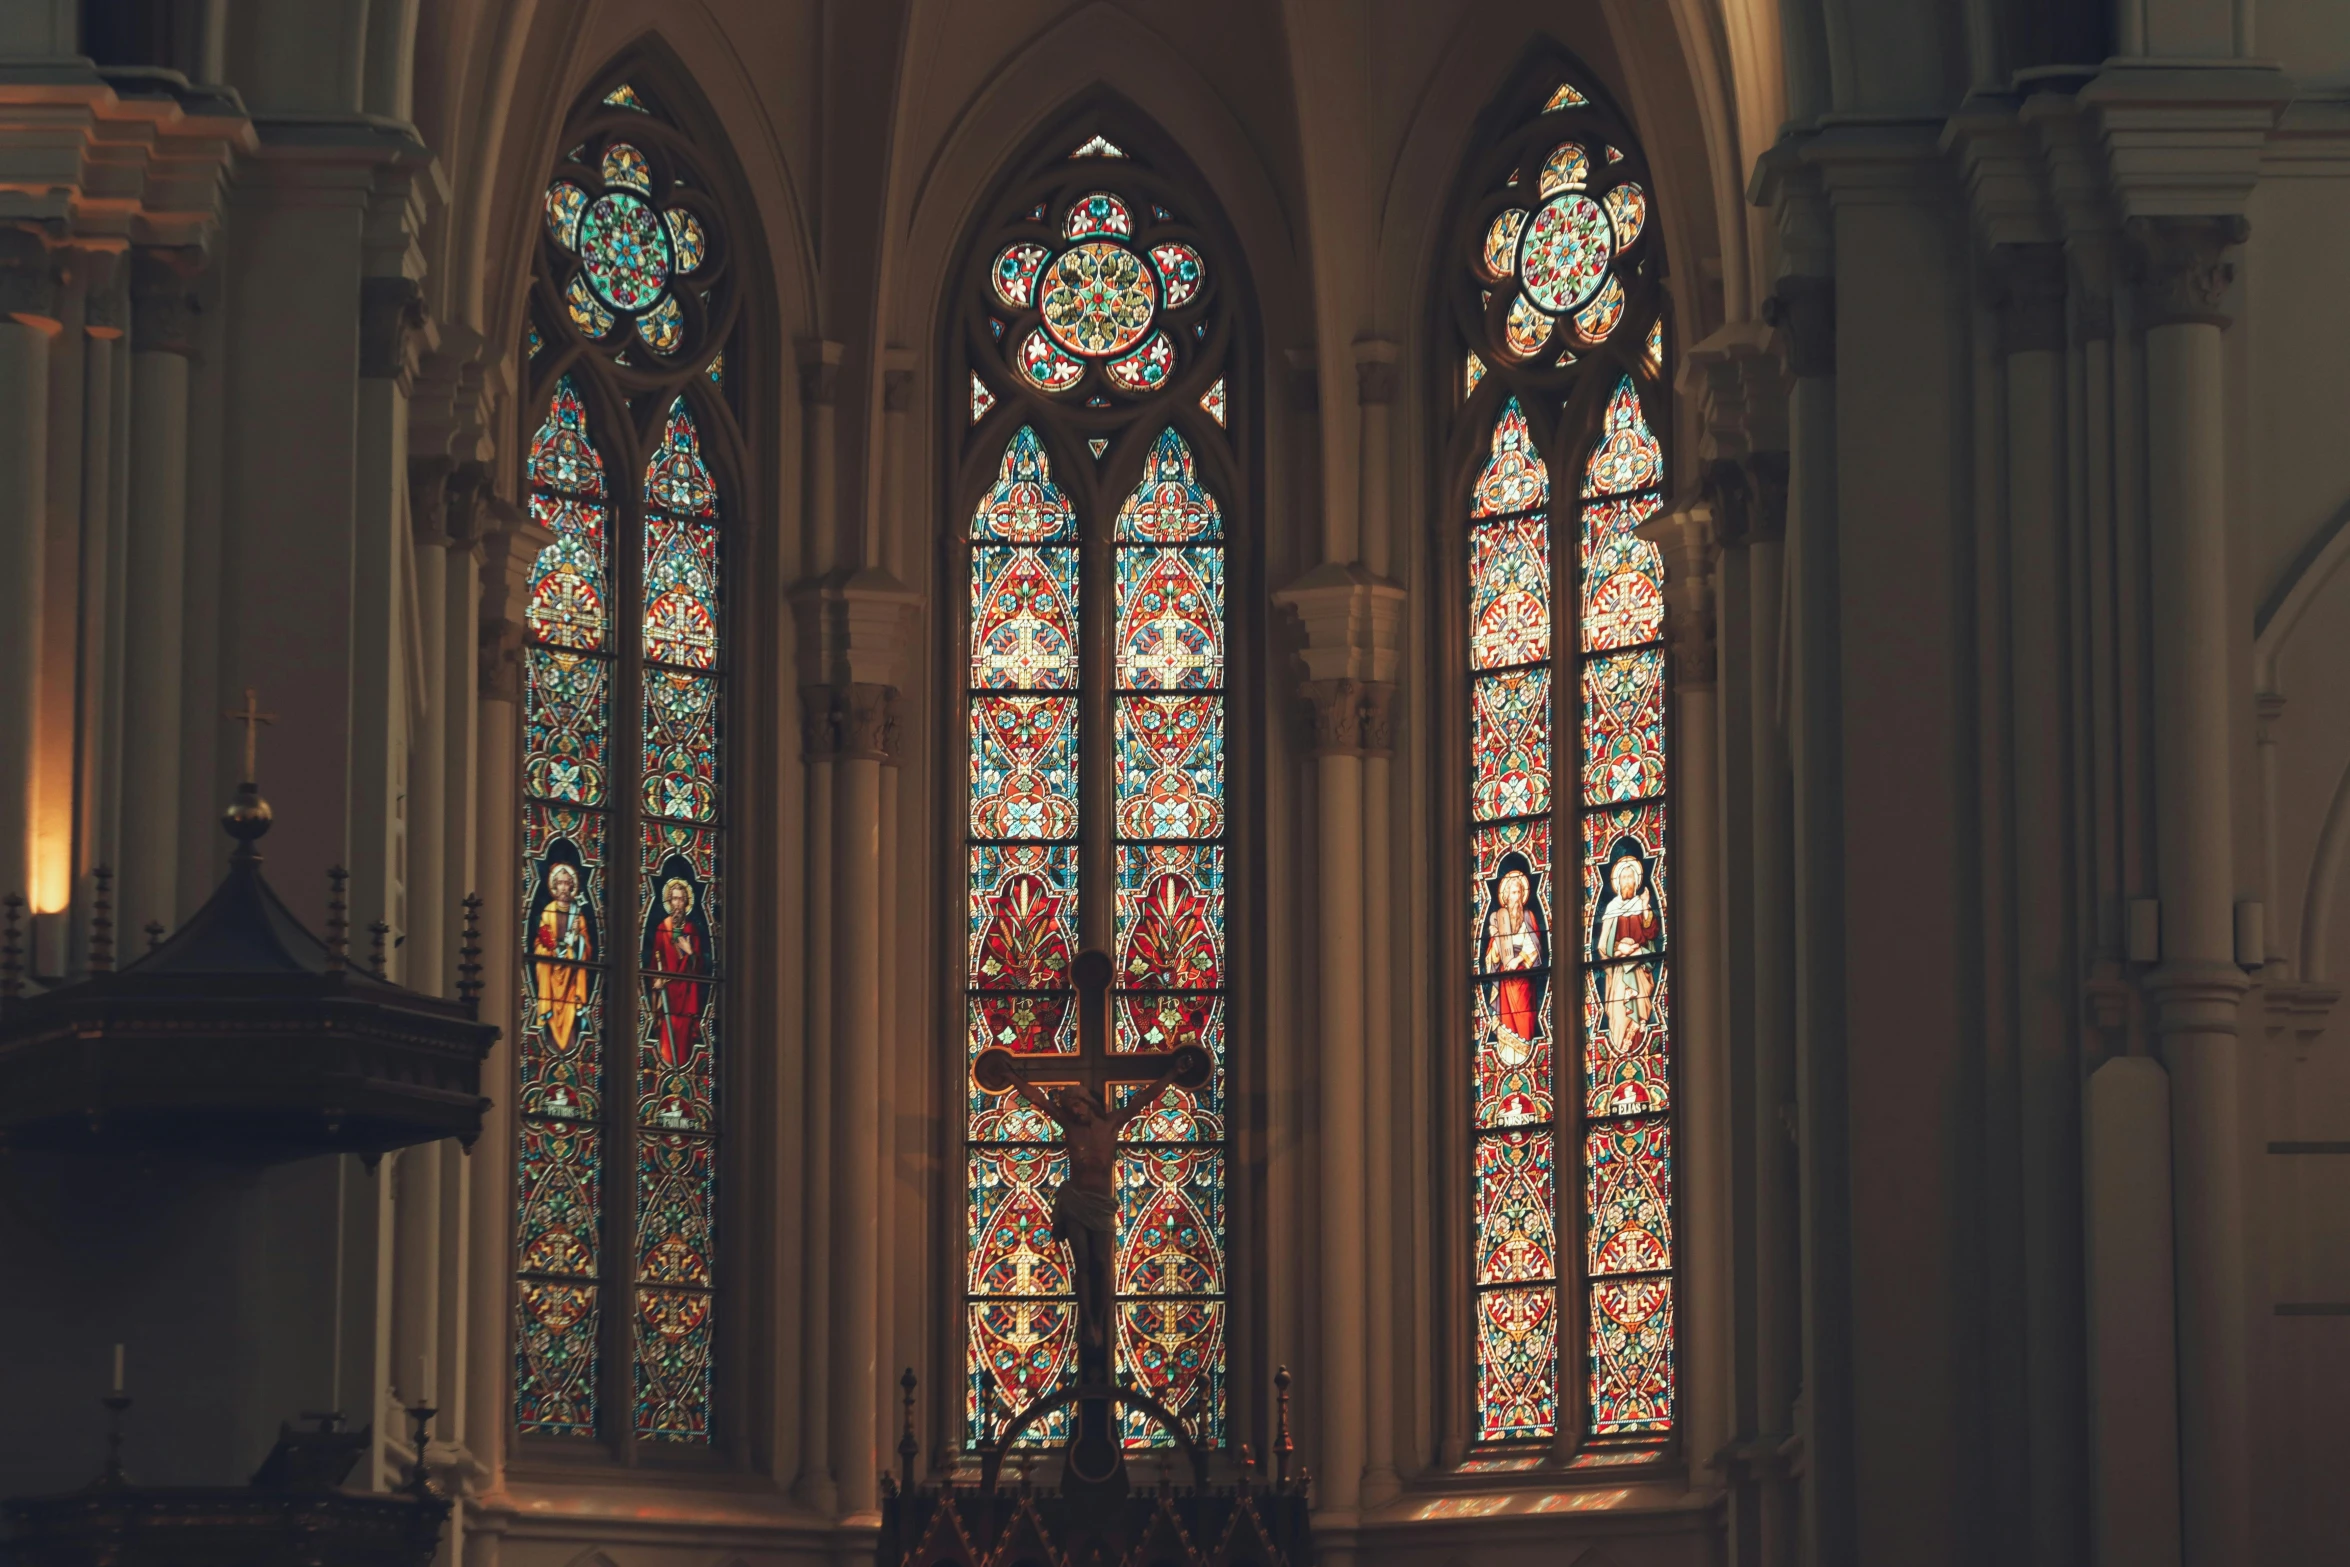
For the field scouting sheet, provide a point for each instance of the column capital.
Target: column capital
(507, 555)
(1738, 382)
(820, 362)
(2196, 997)
(848, 723)
(1685, 536)
(1334, 713)
(2028, 287)
(471, 503)
(164, 302)
(2179, 269)
(1378, 712)
(428, 500)
(1376, 378)
(29, 273)
(393, 330)
(855, 627)
(1748, 497)
(1352, 619)
(1802, 307)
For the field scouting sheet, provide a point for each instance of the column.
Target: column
(819, 752)
(1687, 539)
(1803, 308)
(1376, 379)
(429, 899)
(1336, 708)
(2040, 926)
(98, 712)
(2197, 987)
(865, 723)
(1381, 1193)
(507, 553)
(27, 323)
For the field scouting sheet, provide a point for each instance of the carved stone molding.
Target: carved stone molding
(2177, 265)
(897, 391)
(428, 500)
(470, 501)
(105, 301)
(1685, 536)
(1334, 713)
(164, 303)
(1803, 309)
(1378, 717)
(29, 273)
(820, 360)
(849, 723)
(1748, 497)
(508, 552)
(1376, 380)
(391, 328)
(2030, 292)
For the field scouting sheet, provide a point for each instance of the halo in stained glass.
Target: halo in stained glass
(1567, 168)
(565, 203)
(1098, 299)
(624, 166)
(1501, 241)
(1098, 213)
(1627, 457)
(690, 245)
(1181, 272)
(1024, 507)
(1147, 368)
(1169, 505)
(1627, 209)
(1596, 320)
(1566, 252)
(1015, 273)
(1514, 478)
(1043, 362)
(624, 251)
(1525, 329)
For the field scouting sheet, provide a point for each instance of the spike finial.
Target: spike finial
(154, 930)
(102, 921)
(908, 1446)
(377, 930)
(338, 920)
(1283, 1446)
(469, 954)
(12, 948)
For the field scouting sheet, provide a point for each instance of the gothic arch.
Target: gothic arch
(1079, 432)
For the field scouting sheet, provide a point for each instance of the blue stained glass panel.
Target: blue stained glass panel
(1024, 767)
(1023, 618)
(1170, 766)
(1170, 634)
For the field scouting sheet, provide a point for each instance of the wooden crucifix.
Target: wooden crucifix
(1085, 1209)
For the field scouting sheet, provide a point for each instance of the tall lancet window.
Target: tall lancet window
(1102, 460)
(1567, 862)
(621, 1280)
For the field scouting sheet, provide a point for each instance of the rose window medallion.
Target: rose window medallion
(624, 252)
(631, 253)
(1099, 300)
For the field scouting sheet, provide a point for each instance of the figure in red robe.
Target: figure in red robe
(1513, 948)
(680, 948)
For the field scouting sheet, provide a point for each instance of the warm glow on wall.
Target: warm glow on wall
(52, 857)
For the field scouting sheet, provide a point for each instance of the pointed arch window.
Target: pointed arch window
(1558, 302)
(1097, 382)
(621, 1280)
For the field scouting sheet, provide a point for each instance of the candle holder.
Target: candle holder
(419, 1474)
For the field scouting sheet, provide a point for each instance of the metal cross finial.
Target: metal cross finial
(251, 717)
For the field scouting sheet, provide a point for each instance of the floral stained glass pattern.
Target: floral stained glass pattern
(621, 1029)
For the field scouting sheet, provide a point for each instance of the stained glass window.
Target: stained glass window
(1572, 1148)
(1097, 681)
(622, 1017)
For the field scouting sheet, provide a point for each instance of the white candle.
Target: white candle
(118, 1368)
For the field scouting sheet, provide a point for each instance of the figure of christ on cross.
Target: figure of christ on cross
(1085, 1209)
